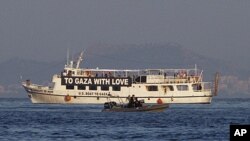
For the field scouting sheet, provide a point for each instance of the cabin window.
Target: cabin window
(70, 87)
(168, 88)
(116, 88)
(182, 87)
(197, 87)
(104, 88)
(141, 79)
(93, 87)
(81, 87)
(152, 88)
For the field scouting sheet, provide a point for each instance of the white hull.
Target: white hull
(60, 99)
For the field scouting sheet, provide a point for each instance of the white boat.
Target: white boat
(75, 85)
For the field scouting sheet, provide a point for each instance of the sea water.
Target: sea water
(22, 120)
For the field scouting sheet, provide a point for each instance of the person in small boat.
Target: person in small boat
(134, 102)
(137, 103)
(131, 102)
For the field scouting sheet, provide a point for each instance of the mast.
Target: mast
(216, 83)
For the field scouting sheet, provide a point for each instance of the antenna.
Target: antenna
(67, 57)
(79, 60)
(21, 78)
(195, 67)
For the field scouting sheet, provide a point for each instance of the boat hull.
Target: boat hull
(62, 99)
(147, 108)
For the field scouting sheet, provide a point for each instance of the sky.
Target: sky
(44, 29)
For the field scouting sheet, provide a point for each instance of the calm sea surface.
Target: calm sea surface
(22, 120)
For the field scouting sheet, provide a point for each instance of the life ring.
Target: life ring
(67, 98)
(159, 101)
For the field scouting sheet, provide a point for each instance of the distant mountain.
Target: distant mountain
(169, 55)
(12, 70)
(126, 56)
(16, 70)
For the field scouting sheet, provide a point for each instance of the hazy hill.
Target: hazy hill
(128, 56)
(12, 70)
(155, 56)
